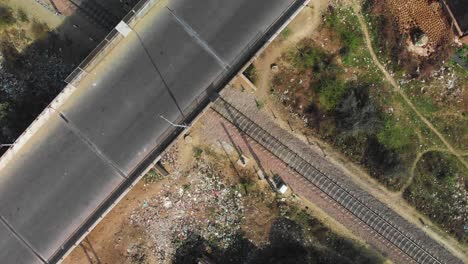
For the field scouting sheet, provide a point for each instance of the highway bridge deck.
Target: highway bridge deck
(85, 151)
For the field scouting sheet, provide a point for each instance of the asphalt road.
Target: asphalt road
(90, 148)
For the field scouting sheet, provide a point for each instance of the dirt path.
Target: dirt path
(397, 88)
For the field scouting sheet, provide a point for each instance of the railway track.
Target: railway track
(358, 208)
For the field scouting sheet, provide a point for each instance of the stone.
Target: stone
(167, 204)
(274, 68)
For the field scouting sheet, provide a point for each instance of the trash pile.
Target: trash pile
(448, 84)
(202, 204)
(170, 157)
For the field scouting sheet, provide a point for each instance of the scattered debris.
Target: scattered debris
(170, 157)
(204, 205)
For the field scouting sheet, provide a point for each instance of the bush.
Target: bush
(6, 16)
(12, 62)
(33, 78)
(463, 53)
(328, 85)
(438, 190)
(396, 135)
(307, 57)
(330, 93)
(439, 165)
(152, 176)
(357, 121)
(382, 163)
(356, 113)
(346, 26)
(22, 16)
(251, 73)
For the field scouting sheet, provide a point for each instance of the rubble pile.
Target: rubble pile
(449, 86)
(202, 205)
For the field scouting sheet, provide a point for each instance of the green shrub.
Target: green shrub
(346, 26)
(396, 135)
(152, 176)
(463, 53)
(438, 189)
(6, 16)
(307, 56)
(197, 152)
(251, 73)
(22, 16)
(330, 93)
(356, 113)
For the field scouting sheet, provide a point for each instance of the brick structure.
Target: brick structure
(457, 10)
